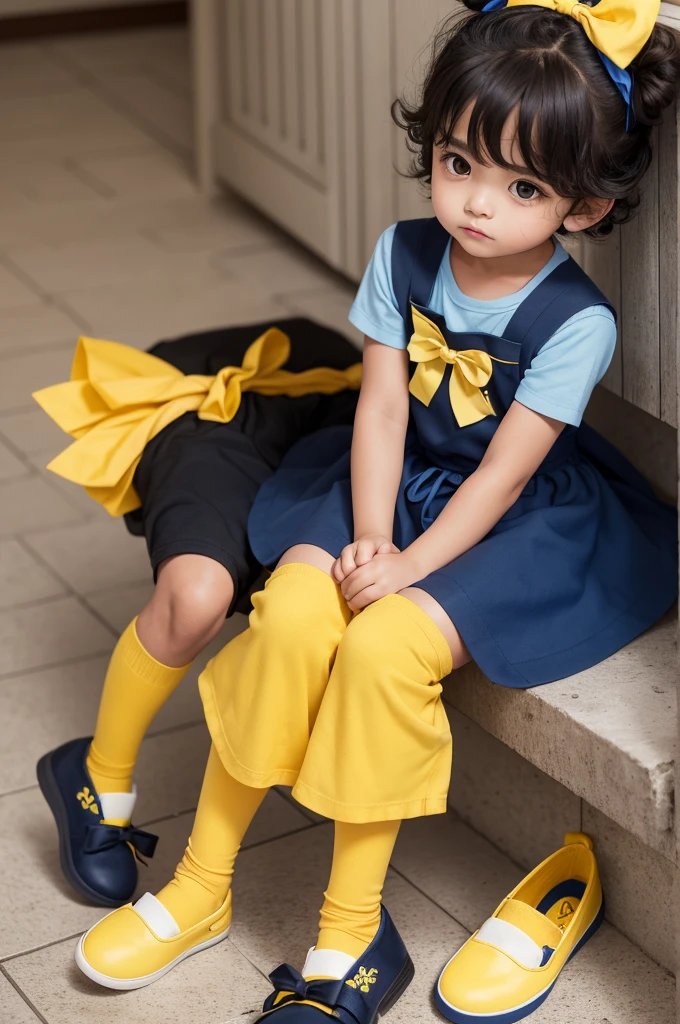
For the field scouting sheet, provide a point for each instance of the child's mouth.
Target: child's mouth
(475, 233)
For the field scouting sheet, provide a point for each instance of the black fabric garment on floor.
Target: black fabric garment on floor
(197, 480)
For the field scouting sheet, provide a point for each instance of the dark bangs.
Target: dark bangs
(538, 67)
(549, 98)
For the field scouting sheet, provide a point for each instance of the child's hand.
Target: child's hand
(360, 552)
(384, 574)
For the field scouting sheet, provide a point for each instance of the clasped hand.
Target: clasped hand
(372, 567)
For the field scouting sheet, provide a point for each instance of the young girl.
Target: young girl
(474, 518)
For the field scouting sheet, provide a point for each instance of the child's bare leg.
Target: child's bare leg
(88, 785)
(186, 611)
(192, 596)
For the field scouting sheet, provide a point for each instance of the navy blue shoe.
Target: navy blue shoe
(369, 987)
(97, 859)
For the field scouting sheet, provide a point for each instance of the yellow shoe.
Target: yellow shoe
(137, 944)
(508, 967)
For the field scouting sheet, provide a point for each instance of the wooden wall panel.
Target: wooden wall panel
(640, 300)
(602, 261)
(275, 80)
(669, 228)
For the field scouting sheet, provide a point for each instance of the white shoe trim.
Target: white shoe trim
(118, 806)
(128, 984)
(159, 919)
(511, 940)
(327, 963)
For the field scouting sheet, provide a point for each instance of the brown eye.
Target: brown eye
(457, 165)
(525, 190)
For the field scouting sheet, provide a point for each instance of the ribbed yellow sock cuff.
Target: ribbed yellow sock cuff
(138, 660)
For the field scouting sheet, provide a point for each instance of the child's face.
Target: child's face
(492, 211)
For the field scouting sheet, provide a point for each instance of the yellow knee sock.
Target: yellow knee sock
(135, 688)
(350, 915)
(203, 877)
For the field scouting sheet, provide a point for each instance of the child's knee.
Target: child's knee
(191, 601)
(295, 603)
(392, 638)
(369, 642)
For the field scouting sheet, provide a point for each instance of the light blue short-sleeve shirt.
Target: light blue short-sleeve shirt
(562, 375)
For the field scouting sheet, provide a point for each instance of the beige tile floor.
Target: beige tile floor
(102, 232)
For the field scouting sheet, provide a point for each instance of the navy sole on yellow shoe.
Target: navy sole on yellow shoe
(105, 878)
(517, 1013)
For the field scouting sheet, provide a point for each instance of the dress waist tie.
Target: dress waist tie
(427, 485)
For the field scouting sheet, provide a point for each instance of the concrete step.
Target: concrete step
(607, 734)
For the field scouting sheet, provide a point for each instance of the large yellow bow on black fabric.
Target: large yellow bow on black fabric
(471, 371)
(119, 398)
(618, 28)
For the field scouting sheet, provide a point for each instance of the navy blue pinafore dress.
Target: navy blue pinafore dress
(586, 558)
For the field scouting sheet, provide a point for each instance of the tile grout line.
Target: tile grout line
(185, 726)
(431, 899)
(18, 790)
(37, 949)
(22, 456)
(289, 798)
(79, 322)
(481, 835)
(98, 186)
(284, 835)
(22, 994)
(75, 935)
(34, 348)
(76, 660)
(71, 591)
(29, 282)
(98, 88)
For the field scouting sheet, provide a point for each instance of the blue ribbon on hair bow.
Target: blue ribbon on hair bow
(105, 837)
(621, 77)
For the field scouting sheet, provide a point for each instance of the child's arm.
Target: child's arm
(517, 449)
(377, 454)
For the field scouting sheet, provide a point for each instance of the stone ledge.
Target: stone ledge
(607, 734)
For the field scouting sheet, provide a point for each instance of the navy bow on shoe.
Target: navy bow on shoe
(367, 991)
(105, 837)
(289, 980)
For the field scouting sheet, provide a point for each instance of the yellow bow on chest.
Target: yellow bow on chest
(471, 371)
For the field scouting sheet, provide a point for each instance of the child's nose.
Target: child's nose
(479, 204)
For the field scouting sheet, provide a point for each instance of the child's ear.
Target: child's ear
(588, 213)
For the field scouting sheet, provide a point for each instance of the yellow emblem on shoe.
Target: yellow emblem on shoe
(363, 979)
(87, 800)
(565, 912)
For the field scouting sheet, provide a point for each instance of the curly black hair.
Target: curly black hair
(571, 129)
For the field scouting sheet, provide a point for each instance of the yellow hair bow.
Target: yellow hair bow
(119, 398)
(618, 28)
(471, 371)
